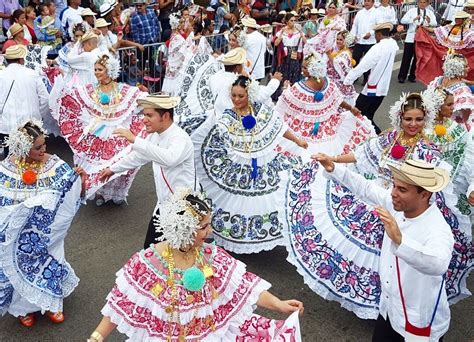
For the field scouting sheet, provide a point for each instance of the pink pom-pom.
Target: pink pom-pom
(397, 151)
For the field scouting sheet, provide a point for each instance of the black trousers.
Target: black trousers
(358, 52)
(368, 105)
(151, 234)
(408, 62)
(384, 332)
(5, 148)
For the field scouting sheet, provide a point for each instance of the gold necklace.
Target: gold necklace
(173, 308)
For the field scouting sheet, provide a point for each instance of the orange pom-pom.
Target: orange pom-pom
(440, 130)
(353, 62)
(455, 30)
(29, 177)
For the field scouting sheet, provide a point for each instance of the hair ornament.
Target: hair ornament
(179, 219)
(396, 111)
(454, 64)
(112, 65)
(251, 87)
(20, 142)
(174, 20)
(317, 64)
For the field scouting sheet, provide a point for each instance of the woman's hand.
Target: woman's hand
(83, 174)
(289, 306)
(302, 143)
(105, 174)
(325, 160)
(356, 111)
(470, 199)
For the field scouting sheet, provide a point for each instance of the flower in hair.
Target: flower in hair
(395, 111)
(20, 142)
(174, 20)
(179, 219)
(454, 65)
(251, 87)
(317, 64)
(111, 64)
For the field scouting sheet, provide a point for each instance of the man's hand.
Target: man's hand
(325, 161)
(367, 35)
(83, 174)
(278, 76)
(356, 111)
(400, 28)
(125, 133)
(391, 225)
(105, 174)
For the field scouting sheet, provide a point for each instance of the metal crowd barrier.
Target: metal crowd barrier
(147, 67)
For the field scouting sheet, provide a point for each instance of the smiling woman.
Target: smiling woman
(87, 117)
(39, 196)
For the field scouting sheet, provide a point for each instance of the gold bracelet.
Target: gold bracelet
(97, 336)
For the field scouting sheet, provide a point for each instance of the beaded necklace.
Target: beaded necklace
(193, 280)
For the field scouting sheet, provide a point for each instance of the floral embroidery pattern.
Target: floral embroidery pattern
(321, 261)
(141, 277)
(240, 227)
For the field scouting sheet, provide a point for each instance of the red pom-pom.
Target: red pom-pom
(29, 177)
(207, 250)
(397, 151)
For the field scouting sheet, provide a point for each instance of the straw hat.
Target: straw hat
(234, 57)
(294, 13)
(250, 22)
(16, 52)
(313, 11)
(283, 12)
(462, 15)
(322, 11)
(267, 28)
(86, 12)
(15, 29)
(420, 173)
(307, 3)
(383, 26)
(88, 35)
(469, 4)
(101, 23)
(161, 101)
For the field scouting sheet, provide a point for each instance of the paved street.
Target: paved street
(102, 239)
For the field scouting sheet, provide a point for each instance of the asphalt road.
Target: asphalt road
(102, 239)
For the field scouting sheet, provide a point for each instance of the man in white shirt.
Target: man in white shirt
(234, 62)
(82, 65)
(415, 17)
(452, 8)
(23, 95)
(167, 146)
(379, 60)
(256, 46)
(416, 249)
(71, 15)
(362, 29)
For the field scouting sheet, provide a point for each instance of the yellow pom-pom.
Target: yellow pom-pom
(326, 21)
(333, 54)
(353, 62)
(455, 30)
(440, 130)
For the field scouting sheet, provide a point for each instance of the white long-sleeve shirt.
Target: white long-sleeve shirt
(424, 255)
(386, 14)
(452, 8)
(379, 60)
(28, 97)
(220, 84)
(256, 46)
(172, 155)
(409, 19)
(83, 65)
(364, 22)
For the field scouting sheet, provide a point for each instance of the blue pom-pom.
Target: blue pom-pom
(104, 99)
(249, 122)
(254, 173)
(472, 88)
(315, 128)
(319, 96)
(193, 279)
